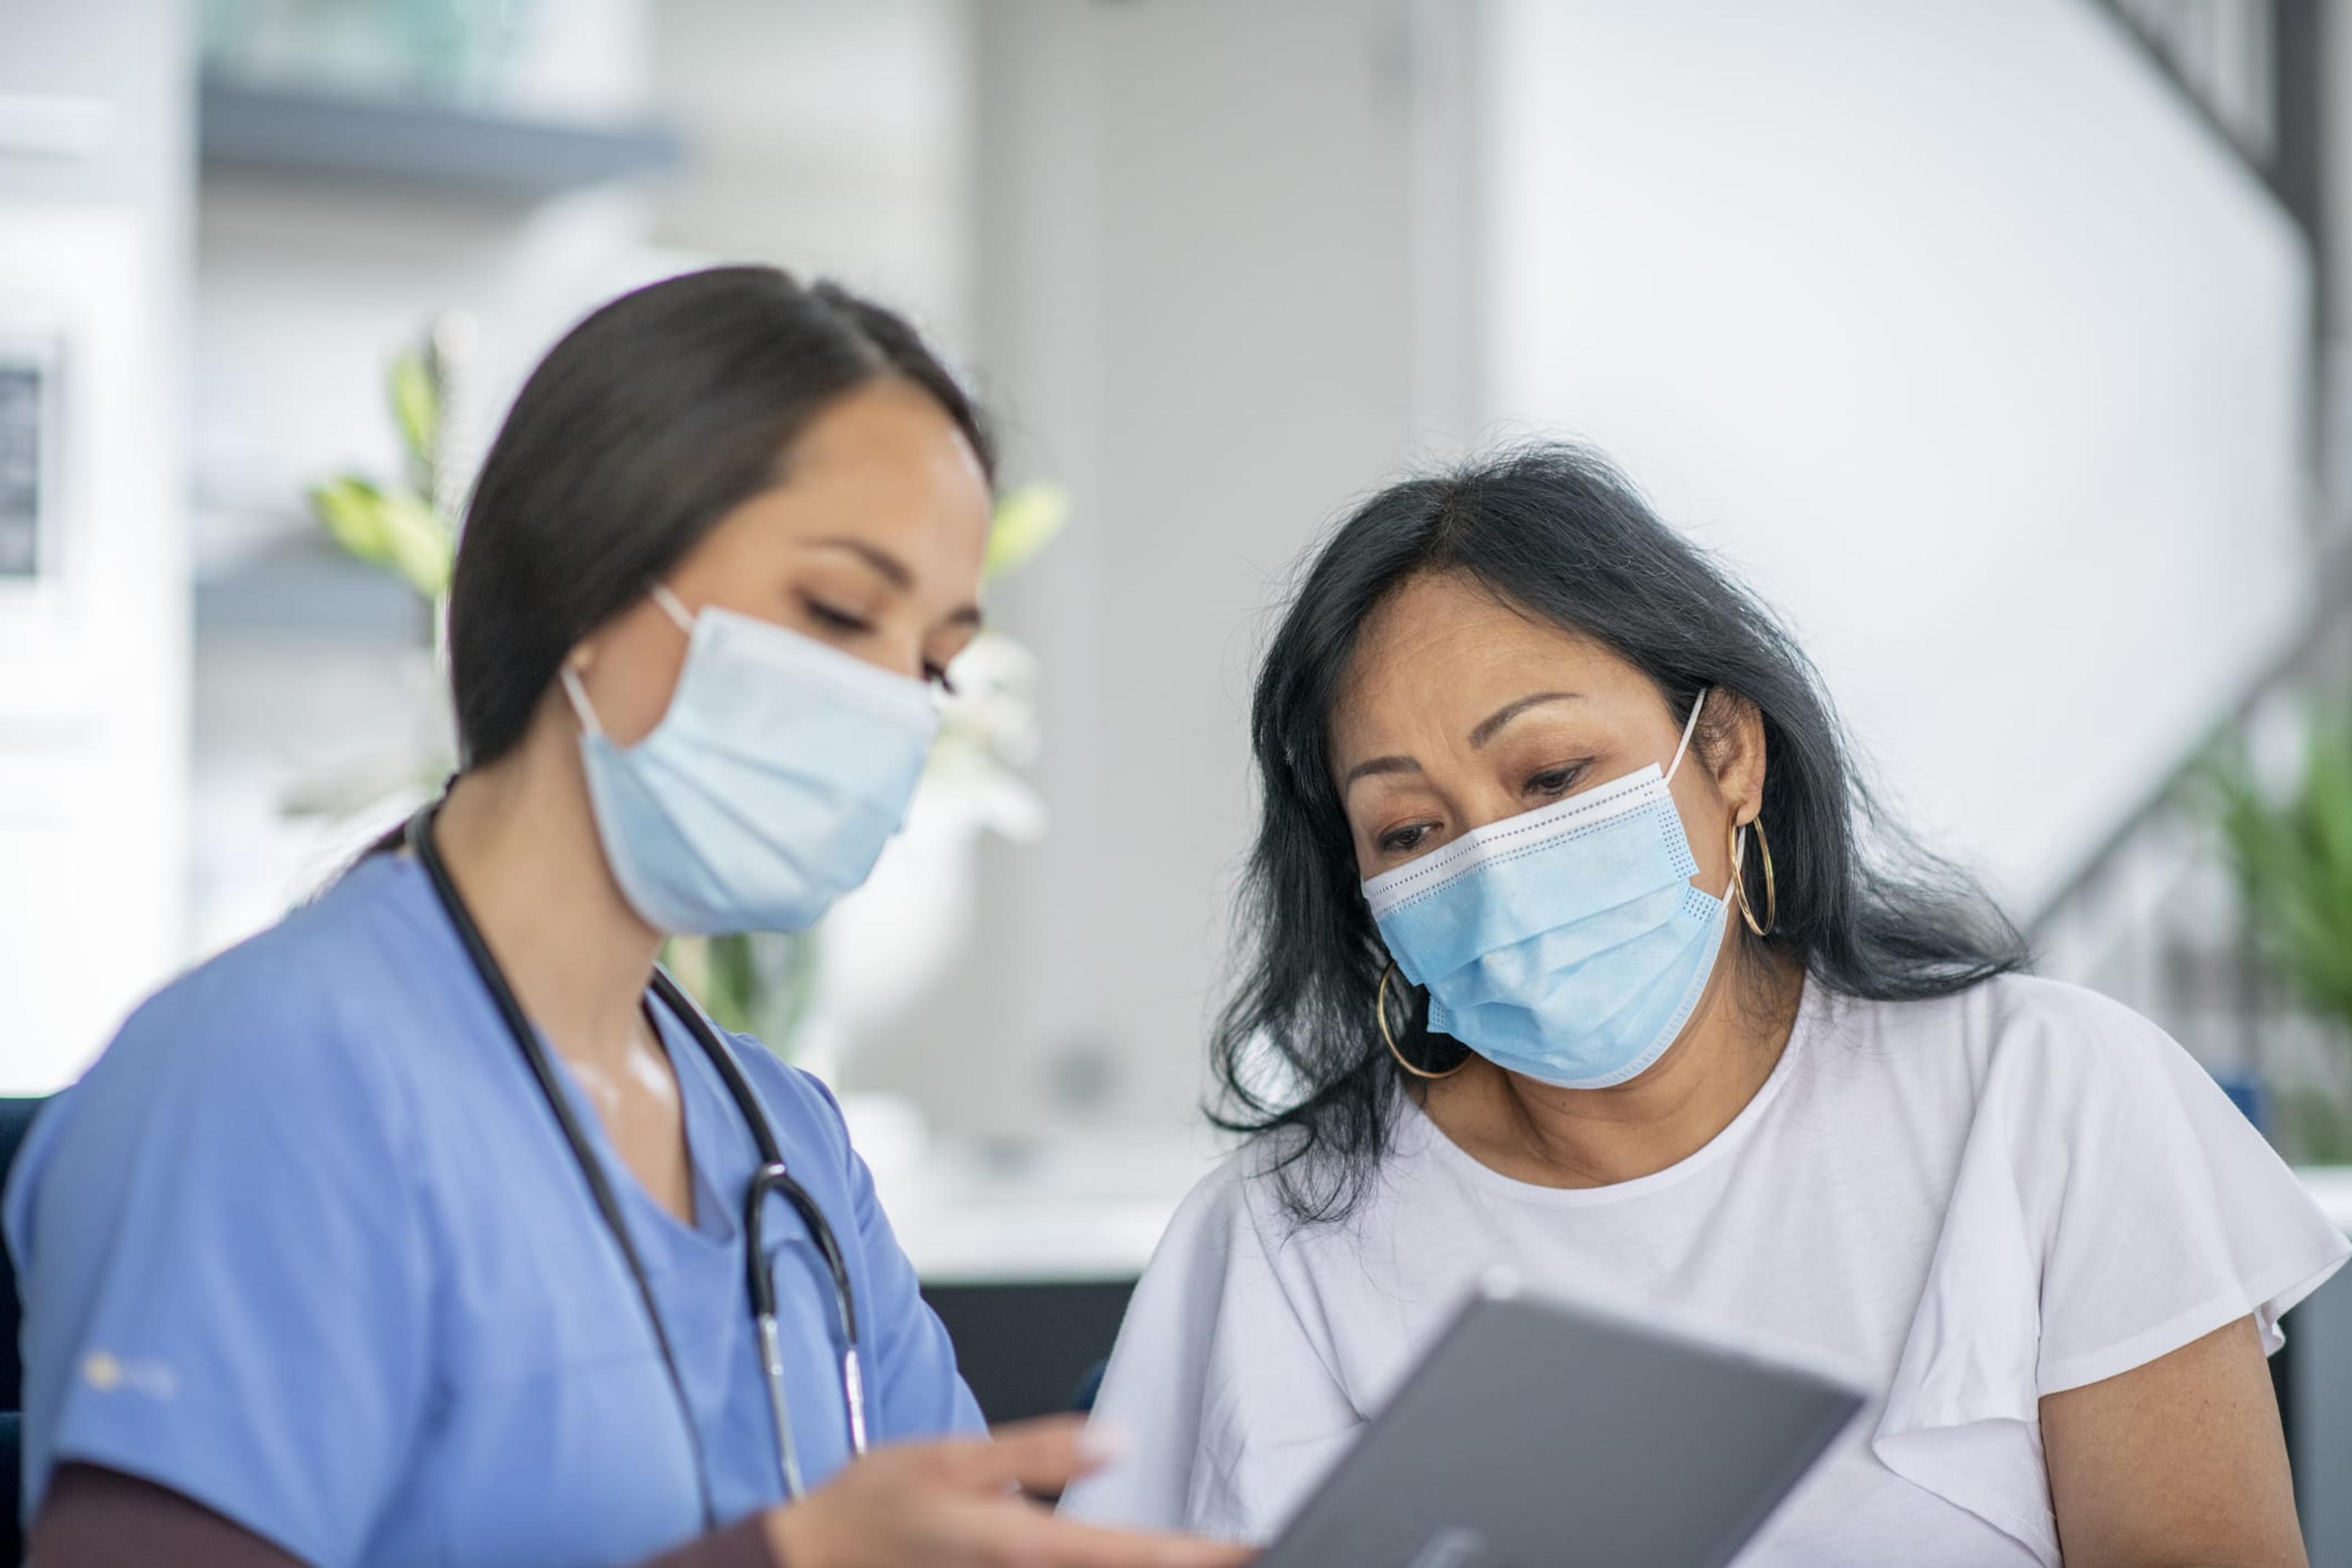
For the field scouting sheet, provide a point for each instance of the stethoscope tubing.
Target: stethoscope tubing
(773, 1178)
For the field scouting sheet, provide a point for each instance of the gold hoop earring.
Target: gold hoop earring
(1739, 878)
(1380, 1012)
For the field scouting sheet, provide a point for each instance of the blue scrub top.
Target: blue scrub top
(308, 1247)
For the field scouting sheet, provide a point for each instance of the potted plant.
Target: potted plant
(2291, 846)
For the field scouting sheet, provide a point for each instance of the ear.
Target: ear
(1731, 743)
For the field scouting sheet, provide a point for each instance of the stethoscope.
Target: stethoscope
(771, 1179)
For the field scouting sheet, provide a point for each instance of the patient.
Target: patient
(1579, 948)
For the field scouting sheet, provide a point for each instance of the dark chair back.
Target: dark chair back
(16, 1118)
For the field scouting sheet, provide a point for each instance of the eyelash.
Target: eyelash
(1402, 840)
(1566, 774)
(838, 620)
(825, 614)
(1551, 781)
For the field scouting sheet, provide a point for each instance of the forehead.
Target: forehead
(891, 437)
(1443, 651)
(886, 465)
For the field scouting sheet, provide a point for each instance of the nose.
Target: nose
(898, 656)
(1483, 802)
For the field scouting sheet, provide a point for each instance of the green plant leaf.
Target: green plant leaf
(2294, 861)
(1026, 520)
(395, 529)
(415, 400)
(353, 511)
(424, 548)
(758, 985)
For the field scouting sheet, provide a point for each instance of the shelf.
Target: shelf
(463, 150)
(303, 591)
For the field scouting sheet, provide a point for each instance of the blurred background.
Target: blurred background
(1999, 343)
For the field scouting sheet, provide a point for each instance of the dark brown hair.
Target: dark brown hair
(651, 420)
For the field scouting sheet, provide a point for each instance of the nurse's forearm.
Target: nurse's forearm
(743, 1544)
(96, 1517)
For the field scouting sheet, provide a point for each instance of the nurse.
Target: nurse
(417, 1229)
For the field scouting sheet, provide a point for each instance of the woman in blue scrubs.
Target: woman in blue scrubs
(415, 1230)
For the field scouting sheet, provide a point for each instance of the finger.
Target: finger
(1043, 1456)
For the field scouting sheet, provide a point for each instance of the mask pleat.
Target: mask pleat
(1566, 945)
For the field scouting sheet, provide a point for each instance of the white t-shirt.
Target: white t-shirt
(1972, 1203)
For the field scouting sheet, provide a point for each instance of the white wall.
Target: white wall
(1199, 309)
(1958, 337)
(93, 660)
(830, 137)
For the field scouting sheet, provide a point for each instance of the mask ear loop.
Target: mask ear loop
(1690, 727)
(579, 696)
(672, 607)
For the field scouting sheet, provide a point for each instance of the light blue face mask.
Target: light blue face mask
(1566, 943)
(771, 784)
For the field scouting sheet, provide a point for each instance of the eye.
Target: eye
(1554, 781)
(1404, 840)
(836, 619)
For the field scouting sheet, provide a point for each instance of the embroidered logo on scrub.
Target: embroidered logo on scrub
(110, 1373)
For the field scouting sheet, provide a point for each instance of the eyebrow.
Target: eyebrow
(1486, 730)
(888, 567)
(1493, 723)
(1379, 765)
(893, 571)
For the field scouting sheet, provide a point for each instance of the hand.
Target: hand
(952, 1505)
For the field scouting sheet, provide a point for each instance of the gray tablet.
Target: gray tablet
(1541, 1434)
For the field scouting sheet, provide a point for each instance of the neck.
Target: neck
(1553, 1137)
(519, 840)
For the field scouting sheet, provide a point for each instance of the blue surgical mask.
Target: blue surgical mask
(771, 784)
(1566, 943)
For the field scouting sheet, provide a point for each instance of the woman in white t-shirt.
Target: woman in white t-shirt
(1577, 950)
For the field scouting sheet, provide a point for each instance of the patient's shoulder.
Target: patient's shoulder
(1281, 1200)
(1238, 1205)
(1217, 1210)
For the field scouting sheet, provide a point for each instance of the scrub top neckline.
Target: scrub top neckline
(715, 1224)
(1423, 1133)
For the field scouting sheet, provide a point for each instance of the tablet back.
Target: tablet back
(1541, 1435)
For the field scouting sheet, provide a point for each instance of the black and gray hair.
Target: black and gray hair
(1557, 533)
